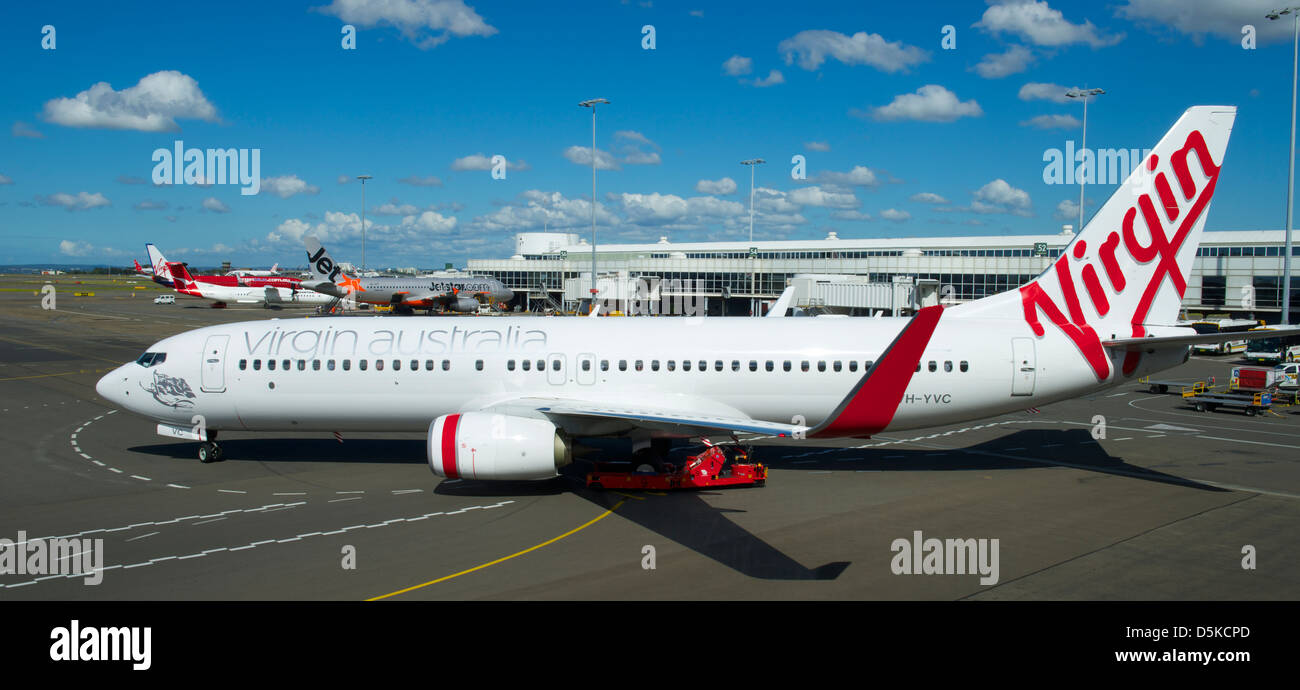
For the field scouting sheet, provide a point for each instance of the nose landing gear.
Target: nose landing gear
(209, 451)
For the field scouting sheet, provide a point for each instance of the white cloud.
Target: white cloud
(1197, 18)
(1052, 122)
(426, 23)
(895, 215)
(75, 248)
(634, 136)
(768, 200)
(928, 198)
(417, 181)
(344, 179)
(815, 195)
(859, 176)
(80, 201)
(544, 210)
(150, 205)
(851, 215)
(152, 105)
(429, 221)
(724, 186)
(413, 230)
(737, 66)
(672, 211)
(772, 79)
(5, 179)
(817, 146)
(642, 158)
(1067, 210)
(478, 161)
(930, 103)
(1035, 21)
(22, 129)
(285, 186)
(395, 208)
(811, 48)
(581, 155)
(999, 196)
(1039, 91)
(998, 65)
(214, 204)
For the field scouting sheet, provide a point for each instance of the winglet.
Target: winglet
(782, 304)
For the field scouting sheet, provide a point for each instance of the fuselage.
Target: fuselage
(427, 291)
(398, 374)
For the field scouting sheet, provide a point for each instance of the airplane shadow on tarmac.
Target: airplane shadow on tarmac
(686, 517)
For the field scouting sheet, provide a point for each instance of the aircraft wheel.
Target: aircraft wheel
(217, 454)
(1251, 412)
(207, 453)
(1200, 407)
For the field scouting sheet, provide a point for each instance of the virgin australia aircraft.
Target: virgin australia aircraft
(505, 398)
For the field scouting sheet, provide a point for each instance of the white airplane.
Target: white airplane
(505, 399)
(267, 291)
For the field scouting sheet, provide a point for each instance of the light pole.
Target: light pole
(1290, 177)
(753, 311)
(363, 179)
(1076, 93)
(592, 103)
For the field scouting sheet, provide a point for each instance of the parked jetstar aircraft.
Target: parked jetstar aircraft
(223, 290)
(405, 294)
(504, 399)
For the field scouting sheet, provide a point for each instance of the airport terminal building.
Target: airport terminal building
(1237, 273)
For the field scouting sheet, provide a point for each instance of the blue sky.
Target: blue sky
(901, 137)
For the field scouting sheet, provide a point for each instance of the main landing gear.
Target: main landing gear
(209, 451)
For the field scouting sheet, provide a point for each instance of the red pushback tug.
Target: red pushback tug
(717, 466)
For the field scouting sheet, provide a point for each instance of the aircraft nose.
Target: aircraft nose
(113, 386)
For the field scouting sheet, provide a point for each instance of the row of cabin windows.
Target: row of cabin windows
(345, 364)
(637, 365)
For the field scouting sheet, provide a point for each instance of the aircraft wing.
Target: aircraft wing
(1196, 338)
(688, 420)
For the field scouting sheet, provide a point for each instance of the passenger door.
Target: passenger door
(214, 357)
(586, 373)
(555, 373)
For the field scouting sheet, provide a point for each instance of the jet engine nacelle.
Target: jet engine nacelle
(464, 305)
(484, 445)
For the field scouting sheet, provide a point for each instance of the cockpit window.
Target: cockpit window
(151, 359)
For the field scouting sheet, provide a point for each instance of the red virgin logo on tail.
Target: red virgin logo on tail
(1163, 250)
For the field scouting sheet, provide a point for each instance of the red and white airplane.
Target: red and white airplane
(505, 399)
(223, 290)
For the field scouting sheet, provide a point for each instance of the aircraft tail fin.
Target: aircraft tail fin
(161, 273)
(1126, 271)
(323, 266)
(1130, 264)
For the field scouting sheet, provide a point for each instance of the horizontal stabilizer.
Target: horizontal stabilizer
(1199, 338)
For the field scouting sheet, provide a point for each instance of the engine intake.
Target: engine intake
(481, 445)
(464, 305)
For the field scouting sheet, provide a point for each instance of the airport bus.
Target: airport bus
(1205, 326)
(1273, 350)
